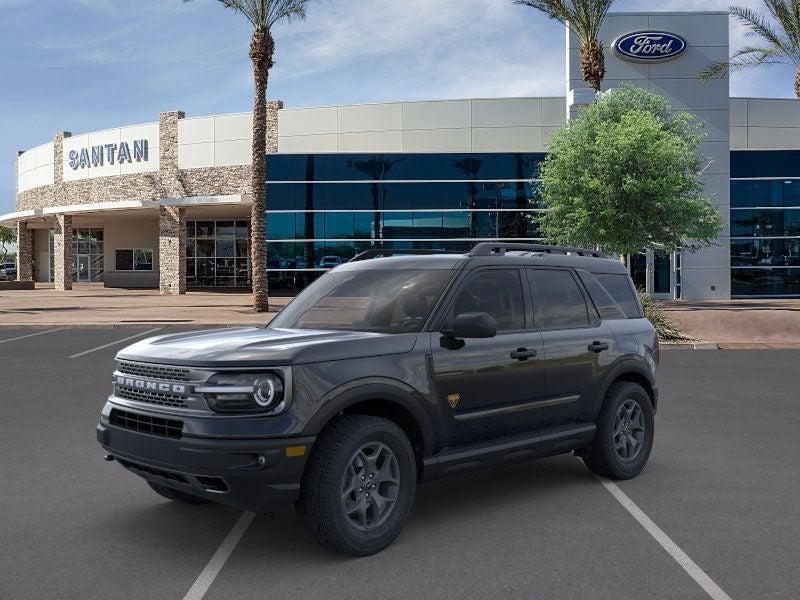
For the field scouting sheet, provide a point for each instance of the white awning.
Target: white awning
(11, 219)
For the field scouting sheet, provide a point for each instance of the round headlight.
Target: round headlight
(264, 392)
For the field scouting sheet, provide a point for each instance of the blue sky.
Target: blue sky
(84, 65)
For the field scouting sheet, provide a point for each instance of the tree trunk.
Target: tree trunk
(797, 84)
(262, 47)
(593, 64)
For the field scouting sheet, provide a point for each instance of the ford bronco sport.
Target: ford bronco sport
(388, 371)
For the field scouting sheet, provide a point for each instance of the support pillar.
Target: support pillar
(62, 251)
(171, 250)
(24, 252)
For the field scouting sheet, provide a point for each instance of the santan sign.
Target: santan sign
(649, 46)
(97, 156)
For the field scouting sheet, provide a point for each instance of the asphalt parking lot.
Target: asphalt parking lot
(722, 484)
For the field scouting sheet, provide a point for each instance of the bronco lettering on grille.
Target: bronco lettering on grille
(154, 386)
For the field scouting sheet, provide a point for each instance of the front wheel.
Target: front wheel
(359, 485)
(624, 435)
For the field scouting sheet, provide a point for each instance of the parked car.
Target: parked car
(328, 262)
(387, 372)
(8, 271)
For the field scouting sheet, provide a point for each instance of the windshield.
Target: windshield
(390, 301)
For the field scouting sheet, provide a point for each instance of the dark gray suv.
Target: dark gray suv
(388, 371)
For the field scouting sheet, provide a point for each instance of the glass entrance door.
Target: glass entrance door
(662, 270)
(83, 269)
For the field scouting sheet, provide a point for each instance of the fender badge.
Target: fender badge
(453, 399)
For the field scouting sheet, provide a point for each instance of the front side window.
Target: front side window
(559, 299)
(379, 301)
(133, 259)
(497, 292)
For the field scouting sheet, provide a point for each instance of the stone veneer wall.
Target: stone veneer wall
(62, 250)
(171, 250)
(24, 252)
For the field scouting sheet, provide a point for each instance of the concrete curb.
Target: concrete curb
(690, 345)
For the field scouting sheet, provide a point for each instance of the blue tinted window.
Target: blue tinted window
(791, 192)
(427, 195)
(367, 196)
(339, 225)
(426, 166)
(282, 196)
(768, 193)
(427, 224)
(457, 224)
(367, 226)
(280, 226)
(768, 163)
(742, 223)
(455, 195)
(309, 225)
(398, 225)
(396, 196)
(742, 164)
(339, 196)
(281, 167)
(765, 282)
(741, 194)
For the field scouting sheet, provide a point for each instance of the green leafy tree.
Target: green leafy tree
(584, 18)
(263, 15)
(778, 40)
(8, 236)
(626, 175)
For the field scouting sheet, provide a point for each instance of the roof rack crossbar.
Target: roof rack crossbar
(500, 248)
(382, 252)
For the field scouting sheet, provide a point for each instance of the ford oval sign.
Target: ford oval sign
(649, 46)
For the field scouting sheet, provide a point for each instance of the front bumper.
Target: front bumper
(259, 475)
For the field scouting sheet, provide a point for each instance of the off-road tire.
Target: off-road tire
(601, 457)
(176, 495)
(319, 505)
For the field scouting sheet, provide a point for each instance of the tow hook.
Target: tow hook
(109, 457)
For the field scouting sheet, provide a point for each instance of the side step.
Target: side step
(540, 444)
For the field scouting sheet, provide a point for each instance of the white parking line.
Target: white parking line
(695, 572)
(214, 566)
(22, 337)
(115, 343)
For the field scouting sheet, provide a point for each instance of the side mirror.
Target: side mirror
(472, 325)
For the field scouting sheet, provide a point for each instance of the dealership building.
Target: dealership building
(167, 204)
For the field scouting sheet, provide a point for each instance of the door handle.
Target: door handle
(523, 354)
(598, 346)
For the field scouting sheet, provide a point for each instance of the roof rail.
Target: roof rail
(383, 252)
(500, 248)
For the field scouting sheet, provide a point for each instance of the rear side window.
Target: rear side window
(558, 299)
(618, 285)
(608, 308)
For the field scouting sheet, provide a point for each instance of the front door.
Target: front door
(487, 388)
(579, 348)
(83, 268)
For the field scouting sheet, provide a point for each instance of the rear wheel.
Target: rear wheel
(176, 495)
(359, 485)
(624, 435)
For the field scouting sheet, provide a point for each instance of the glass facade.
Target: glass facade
(325, 208)
(765, 223)
(217, 254)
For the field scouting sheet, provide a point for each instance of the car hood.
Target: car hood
(236, 347)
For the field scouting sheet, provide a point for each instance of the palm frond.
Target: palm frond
(784, 13)
(759, 26)
(744, 58)
(583, 17)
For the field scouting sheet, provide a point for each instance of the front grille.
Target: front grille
(154, 371)
(143, 470)
(171, 428)
(159, 398)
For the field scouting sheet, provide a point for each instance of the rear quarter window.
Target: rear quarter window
(620, 288)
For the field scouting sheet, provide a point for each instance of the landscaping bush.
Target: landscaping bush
(665, 327)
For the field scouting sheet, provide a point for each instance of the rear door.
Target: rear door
(579, 348)
(487, 388)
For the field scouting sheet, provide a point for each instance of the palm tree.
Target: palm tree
(780, 41)
(584, 19)
(262, 15)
